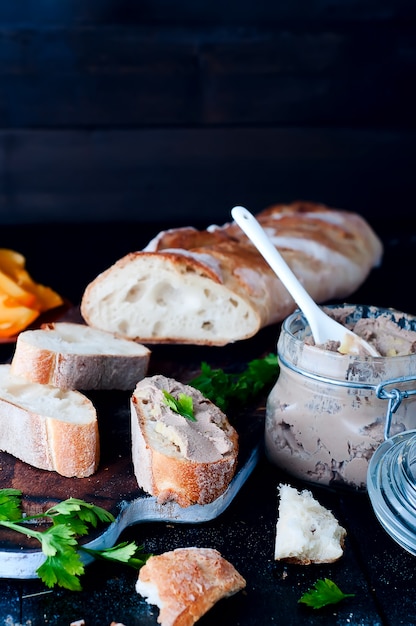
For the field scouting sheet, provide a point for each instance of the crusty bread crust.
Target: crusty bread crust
(48, 428)
(75, 356)
(163, 467)
(213, 287)
(169, 297)
(187, 582)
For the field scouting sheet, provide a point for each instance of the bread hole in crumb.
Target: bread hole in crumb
(157, 329)
(123, 328)
(207, 326)
(234, 303)
(133, 294)
(163, 294)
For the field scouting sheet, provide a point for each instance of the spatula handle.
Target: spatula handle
(255, 232)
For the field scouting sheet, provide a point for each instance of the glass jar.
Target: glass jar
(328, 412)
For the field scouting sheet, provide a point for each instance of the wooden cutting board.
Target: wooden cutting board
(114, 486)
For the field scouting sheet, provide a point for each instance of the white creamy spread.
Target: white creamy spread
(382, 332)
(202, 441)
(205, 440)
(322, 430)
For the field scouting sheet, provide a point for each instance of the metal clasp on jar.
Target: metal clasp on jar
(394, 397)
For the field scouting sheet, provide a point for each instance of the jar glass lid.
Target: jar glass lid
(391, 485)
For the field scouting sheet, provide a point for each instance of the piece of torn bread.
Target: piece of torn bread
(306, 532)
(213, 287)
(47, 427)
(185, 583)
(76, 356)
(174, 458)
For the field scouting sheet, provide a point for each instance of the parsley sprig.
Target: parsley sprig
(224, 388)
(183, 404)
(68, 521)
(324, 592)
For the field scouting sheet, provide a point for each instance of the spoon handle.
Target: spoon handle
(254, 231)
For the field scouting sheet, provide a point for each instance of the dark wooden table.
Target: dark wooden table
(379, 572)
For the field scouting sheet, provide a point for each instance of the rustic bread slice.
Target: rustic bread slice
(174, 458)
(170, 297)
(47, 427)
(213, 287)
(185, 583)
(75, 356)
(306, 532)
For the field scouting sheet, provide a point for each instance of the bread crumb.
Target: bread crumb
(306, 532)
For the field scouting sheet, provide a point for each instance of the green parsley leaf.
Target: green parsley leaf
(183, 405)
(62, 569)
(224, 388)
(79, 515)
(56, 539)
(10, 504)
(324, 592)
(67, 521)
(128, 553)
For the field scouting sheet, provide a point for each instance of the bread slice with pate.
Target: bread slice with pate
(75, 356)
(185, 583)
(174, 458)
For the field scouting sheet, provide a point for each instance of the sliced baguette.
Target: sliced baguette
(306, 532)
(47, 427)
(75, 356)
(174, 458)
(213, 287)
(185, 583)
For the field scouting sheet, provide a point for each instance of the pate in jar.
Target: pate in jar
(328, 412)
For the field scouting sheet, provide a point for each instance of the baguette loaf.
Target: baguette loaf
(174, 458)
(47, 427)
(213, 287)
(185, 583)
(306, 532)
(75, 356)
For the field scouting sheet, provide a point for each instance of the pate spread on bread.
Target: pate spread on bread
(76, 356)
(185, 583)
(213, 287)
(174, 458)
(306, 532)
(47, 427)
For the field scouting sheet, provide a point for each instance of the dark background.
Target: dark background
(147, 111)
(118, 118)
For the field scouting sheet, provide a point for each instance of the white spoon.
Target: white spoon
(323, 327)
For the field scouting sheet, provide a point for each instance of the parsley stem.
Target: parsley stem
(20, 529)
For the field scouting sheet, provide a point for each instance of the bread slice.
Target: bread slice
(185, 583)
(47, 427)
(174, 458)
(306, 532)
(75, 356)
(213, 287)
